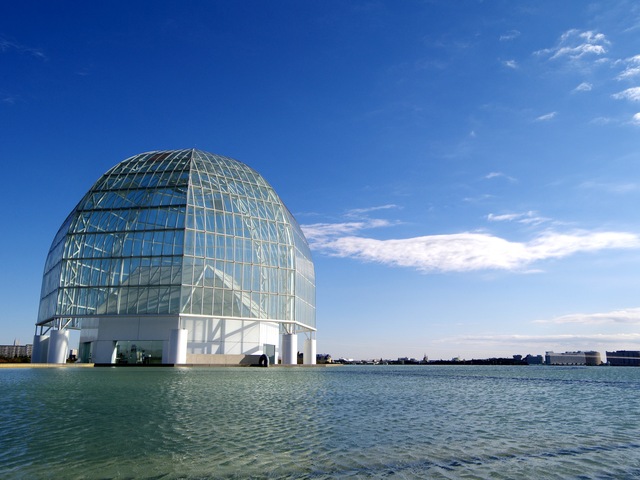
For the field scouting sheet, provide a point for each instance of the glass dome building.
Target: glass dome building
(178, 257)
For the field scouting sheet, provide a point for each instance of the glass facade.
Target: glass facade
(183, 233)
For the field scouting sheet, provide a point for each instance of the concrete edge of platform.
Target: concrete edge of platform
(188, 365)
(46, 365)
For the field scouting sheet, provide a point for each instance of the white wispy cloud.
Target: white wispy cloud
(480, 198)
(321, 233)
(363, 211)
(492, 175)
(546, 117)
(575, 44)
(507, 217)
(610, 187)
(9, 99)
(636, 119)
(510, 64)
(628, 316)
(460, 252)
(510, 35)
(602, 121)
(527, 218)
(557, 342)
(632, 94)
(632, 68)
(583, 87)
(8, 45)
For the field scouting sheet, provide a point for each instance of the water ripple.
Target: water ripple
(347, 422)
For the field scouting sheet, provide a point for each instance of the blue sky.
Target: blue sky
(467, 173)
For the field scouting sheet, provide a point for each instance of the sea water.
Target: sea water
(408, 422)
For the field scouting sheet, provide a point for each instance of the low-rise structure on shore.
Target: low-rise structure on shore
(16, 350)
(590, 358)
(624, 358)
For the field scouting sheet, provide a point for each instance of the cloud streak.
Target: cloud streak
(361, 211)
(616, 188)
(492, 175)
(632, 68)
(510, 35)
(631, 94)
(527, 218)
(583, 87)
(548, 342)
(546, 117)
(574, 44)
(459, 252)
(629, 316)
(7, 45)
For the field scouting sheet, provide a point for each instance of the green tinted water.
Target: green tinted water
(358, 422)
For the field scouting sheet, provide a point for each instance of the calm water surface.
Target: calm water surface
(343, 422)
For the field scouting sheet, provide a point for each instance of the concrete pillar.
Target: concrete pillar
(40, 349)
(58, 346)
(178, 346)
(165, 351)
(309, 356)
(104, 351)
(289, 349)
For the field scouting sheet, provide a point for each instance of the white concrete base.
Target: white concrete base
(183, 337)
(40, 349)
(289, 349)
(58, 346)
(178, 346)
(222, 360)
(104, 351)
(309, 354)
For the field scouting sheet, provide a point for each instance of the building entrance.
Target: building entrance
(136, 352)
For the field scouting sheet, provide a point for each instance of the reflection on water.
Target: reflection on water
(358, 422)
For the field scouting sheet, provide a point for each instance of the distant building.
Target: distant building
(534, 360)
(593, 358)
(590, 358)
(624, 358)
(15, 350)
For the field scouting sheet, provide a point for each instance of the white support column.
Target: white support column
(165, 351)
(289, 349)
(104, 351)
(178, 346)
(58, 346)
(40, 349)
(309, 357)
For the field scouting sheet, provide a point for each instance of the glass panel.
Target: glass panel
(140, 352)
(128, 232)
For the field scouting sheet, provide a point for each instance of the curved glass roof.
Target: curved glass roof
(181, 232)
